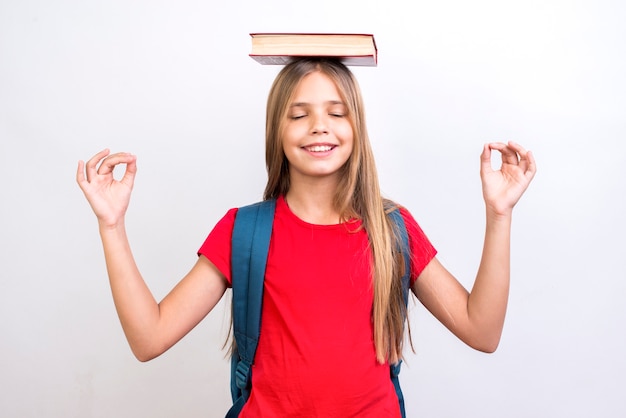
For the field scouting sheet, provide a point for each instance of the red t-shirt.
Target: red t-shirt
(316, 354)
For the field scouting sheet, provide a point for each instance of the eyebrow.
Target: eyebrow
(329, 102)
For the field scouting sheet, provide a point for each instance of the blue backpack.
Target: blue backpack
(250, 245)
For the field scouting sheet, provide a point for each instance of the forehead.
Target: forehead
(316, 87)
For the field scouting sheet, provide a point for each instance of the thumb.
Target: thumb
(485, 159)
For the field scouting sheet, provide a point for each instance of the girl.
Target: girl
(332, 302)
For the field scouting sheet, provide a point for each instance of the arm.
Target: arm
(477, 318)
(150, 327)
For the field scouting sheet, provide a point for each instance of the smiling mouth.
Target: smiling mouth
(319, 148)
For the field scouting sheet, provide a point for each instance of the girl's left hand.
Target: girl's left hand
(503, 188)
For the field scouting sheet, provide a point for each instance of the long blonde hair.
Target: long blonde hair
(357, 195)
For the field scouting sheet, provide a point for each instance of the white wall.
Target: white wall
(172, 83)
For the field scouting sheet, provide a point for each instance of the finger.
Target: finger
(485, 159)
(517, 148)
(93, 162)
(130, 172)
(526, 159)
(108, 164)
(80, 175)
(531, 167)
(509, 153)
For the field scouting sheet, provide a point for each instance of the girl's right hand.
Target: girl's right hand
(107, 196)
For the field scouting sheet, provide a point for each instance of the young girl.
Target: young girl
(333, 311)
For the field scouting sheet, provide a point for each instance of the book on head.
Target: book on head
(281, 48)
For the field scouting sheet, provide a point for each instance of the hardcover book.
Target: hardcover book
(280, 48)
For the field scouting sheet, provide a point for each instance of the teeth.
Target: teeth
(320, 148)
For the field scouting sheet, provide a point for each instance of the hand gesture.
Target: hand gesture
(503, 188)
(107, 196)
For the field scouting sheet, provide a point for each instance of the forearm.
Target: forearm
(488, 299)
(477, 317)
(136, 307)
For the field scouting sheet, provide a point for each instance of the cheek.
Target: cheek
(345, 133)
(292, 133)
(285, 137)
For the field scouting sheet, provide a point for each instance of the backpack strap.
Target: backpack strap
(250, 245)
(397, 219)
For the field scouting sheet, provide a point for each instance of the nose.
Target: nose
(319, 124)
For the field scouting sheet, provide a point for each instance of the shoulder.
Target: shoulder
(217, 246)
(258, 207)
(393, 208)
(422, 250)
(228, 220)
(414, 230)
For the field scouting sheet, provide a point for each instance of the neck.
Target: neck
(313, 202)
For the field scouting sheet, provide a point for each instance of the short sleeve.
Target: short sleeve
(422, 251)
(217, 246)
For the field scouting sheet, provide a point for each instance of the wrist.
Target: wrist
(499, 215)
(107, 226)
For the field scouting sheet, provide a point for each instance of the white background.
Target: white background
(172, 82)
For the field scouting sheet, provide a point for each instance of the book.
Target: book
(281, 48)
